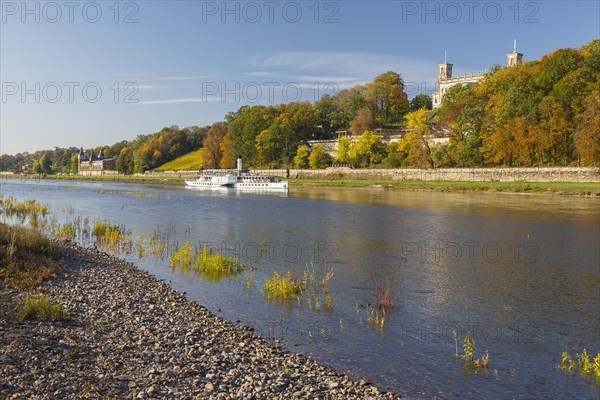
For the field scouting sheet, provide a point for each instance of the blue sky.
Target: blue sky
(93, 73)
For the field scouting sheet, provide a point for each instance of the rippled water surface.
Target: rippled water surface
(520, 272)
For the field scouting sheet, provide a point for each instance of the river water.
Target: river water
(521, 273)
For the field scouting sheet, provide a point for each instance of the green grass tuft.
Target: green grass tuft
(27, 258)
(42, 307)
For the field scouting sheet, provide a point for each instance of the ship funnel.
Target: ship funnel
(239, 164)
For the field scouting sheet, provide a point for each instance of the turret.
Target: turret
(515, 58)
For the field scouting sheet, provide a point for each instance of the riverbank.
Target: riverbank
(548, 188)
(520, 187)
(121, 333)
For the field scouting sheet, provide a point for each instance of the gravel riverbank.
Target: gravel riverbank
(131, 336)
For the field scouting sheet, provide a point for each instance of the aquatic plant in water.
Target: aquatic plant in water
(584, 366)
(66, 231)
(112, 238)
(211, 265)
(384, 294)
(10, 206)
(468, 356)
(283, 288)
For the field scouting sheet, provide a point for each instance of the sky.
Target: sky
(85, 73)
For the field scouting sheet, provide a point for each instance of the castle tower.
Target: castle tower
(514, 58)
(81, 155)
(444, 69)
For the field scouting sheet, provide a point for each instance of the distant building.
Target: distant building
(446, 81)
(94, 165)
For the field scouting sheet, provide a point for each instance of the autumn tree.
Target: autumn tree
(588, 131)
(417, 140)
(212, 144)
(387, 98)
(362, 122)
(228, 158)
(552, 134)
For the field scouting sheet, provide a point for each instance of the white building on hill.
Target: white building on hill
(445, 79)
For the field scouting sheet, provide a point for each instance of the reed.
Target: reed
(283, 288)
(66, 231)
(10, 206)
(114, 239)
(216, 266)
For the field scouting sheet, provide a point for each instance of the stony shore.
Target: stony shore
(130, 336)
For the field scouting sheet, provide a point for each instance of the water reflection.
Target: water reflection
(520, 272)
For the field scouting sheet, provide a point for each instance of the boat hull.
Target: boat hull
(283, 185)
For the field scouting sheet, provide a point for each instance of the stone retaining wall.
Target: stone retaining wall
(559, 174)
(564, 174)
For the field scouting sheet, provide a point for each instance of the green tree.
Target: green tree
(318, 157)
(326, 116)
(124, 161)
(554, 66)
(368, 149)
(37, 169)
(244, 127)
(348, 102)
(343, 150)
(301, 158)
(45, 164)
(278, 143)
(421, 101)
(74, 167)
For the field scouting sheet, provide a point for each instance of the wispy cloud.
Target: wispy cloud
(178, 101)
(183, 78)
(260, 73)
(347, 66)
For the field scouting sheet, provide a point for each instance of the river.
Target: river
(520, 272)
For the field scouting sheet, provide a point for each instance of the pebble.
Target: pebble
(131, 335)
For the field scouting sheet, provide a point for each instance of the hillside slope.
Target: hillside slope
(189, 161)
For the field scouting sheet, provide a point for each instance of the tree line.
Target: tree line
(143, 153)
(540, 113)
